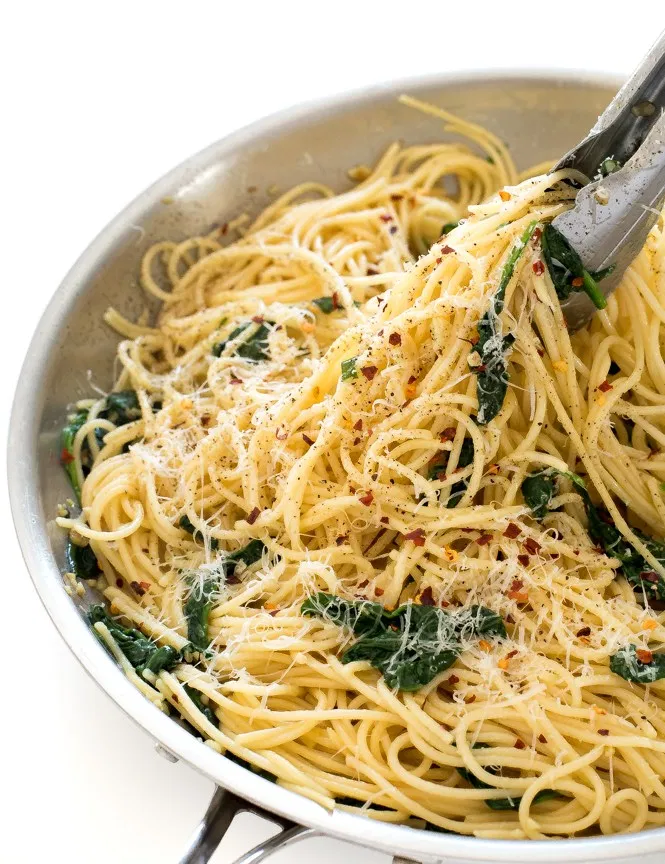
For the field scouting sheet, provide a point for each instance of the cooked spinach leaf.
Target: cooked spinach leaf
(199, 602)
(75, 421)
(538, 490)
(326, 304)
(349, 368)
(197, 698)
(492, 345)
(637, 665)
(438, 469)
(81, 561)
(602, 531)
(143, 654)
(448, 227)
(409, 645)
(255, 347)
(121, 407)
(187, 525)
(608, 166)
(567, 271)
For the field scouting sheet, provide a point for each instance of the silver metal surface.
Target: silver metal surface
(613, 215)
(539, 115)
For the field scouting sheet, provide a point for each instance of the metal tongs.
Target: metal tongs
(614, 213)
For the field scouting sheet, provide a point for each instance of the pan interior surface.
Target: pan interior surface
(539, 117)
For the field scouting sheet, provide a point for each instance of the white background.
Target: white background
(99, 99)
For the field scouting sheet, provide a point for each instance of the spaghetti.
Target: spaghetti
(305, 484)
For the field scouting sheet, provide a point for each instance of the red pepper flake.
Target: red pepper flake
(386, 217)
(517, 585)
(234, 380)
(372, 271)
(470, 699)
(519, 744)
(384, 520)
(511, 654)
(224, 229)
(512, 531)
(453, 680)
(585, 631)
(446, 250)
(358, 425)
(175, 697)
(509, 620)
(379, 592)
(395, 339)
(538, 268)
(253, 516)
(531, 546)
(119, 582)
(367, 498)
(369, 372)
(205, 420)
(447, 434)
(649, 576)
(281, 434)
(341, 540)
(232, 579)
(356, 441)
(396, 197)
(603, 732)
(519, 596)
(536, 234)
(542, 739)
(524, 560)
(417, 536)
(66, 457)
(307, 439)
(273, 612)
(258, 319)
(144, 585)
(484, 539)
(426, 598)
(136, 587)
(444, 603)
(364, 583)
(335, 301)
(644, 656)
(577, 282)
(605, 386)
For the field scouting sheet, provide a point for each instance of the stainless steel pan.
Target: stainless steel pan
(540, 116)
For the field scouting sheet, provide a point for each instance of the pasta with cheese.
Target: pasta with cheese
(369, 518)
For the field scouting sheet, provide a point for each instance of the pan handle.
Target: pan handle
(223, 808)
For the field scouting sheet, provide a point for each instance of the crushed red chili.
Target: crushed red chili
(417, 536)
(66, 457)
(484, 539)
(644, 655)
(538, 268)
(542, 739)
(605, 386)
(119, 582)
(427, 598)
(395, 339)
(585, 631)
(603, 731)
(307, 439)
(531, 546)
(512, 531)
(519, 744)
(577, 282)
(386, 217)
(254, 515)
(367, 498)
(524, 560)
(369, 372)
(384, 520)
(446, 250)
(379, 592)
(358, 425)
(453, 680)
(447, 434)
